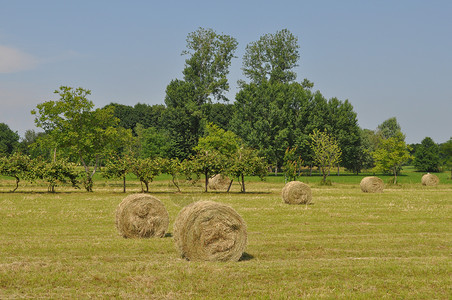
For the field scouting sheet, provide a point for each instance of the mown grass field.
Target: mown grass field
(346, 244)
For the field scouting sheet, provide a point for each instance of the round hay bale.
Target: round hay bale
(141, 216)
(209, 231)
(219, 182)
(430, 179)
(372, 184)
(296, 192)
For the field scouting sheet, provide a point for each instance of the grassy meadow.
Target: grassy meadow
(346, 244)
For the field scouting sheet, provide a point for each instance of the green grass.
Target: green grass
(347, 244)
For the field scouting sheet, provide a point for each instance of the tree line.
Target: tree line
(273, 115)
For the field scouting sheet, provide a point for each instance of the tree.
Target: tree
(214, 151)
(19, 166)
(73, 125)
(210, 56)
(57, 172)
(173, 167)
(9, 140)
(292, 164)
(270, 117)
(391, 155)
(146, 169)
(118, 167)
(246, 162)
(327, 152)
(426, 157)
(389, 128)
(272, 58)
(446, 155)
(154, 142)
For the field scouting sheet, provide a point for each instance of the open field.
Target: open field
(346, 244)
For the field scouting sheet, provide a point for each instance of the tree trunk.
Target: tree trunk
(17, 184)
(243, 184)
(124, 184)
(206, 173)
(175, 183)
(230, 184)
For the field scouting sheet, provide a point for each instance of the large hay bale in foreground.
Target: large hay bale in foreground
(296, 192)
(141, 216)
(209, 231)
(219, 182)
(372, 184)
(430, 179)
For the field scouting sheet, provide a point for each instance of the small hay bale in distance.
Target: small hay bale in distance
(296, 192)
(219, 182)
(209, 231)
(372, 184)
(430, 179)
(141, 216)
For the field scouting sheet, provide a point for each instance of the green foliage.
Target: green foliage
(292, 164)
(154, 142)
(9, 140)
(272, 58)
(72, 125)
(173, 167)
(391, 154)
(389, 128)
(19, 166)
(327, 153)
(210, 56)
(146, 169)
(217, 139)
(58, 172)
(118, 167)
(426, 158)
(246, 162)
(446, 155)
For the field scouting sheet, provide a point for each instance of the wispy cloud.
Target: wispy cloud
(14, 60)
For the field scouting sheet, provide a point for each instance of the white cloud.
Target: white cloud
(13, 60)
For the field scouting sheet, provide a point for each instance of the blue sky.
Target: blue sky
(388, 58)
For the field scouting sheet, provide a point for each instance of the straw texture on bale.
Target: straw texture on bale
(141, 216)
(219, 182)
(296, 192)
(430, 179)
(372, 184)
(209, 231)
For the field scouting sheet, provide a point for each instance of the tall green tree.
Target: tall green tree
(75, 127)
(327, 153)
(9, 140)
(389, 128)
(446, 155)
(391, 154)
(270, 117)
(207, 66)
(205, 78)
(426, 158)
(272, 58)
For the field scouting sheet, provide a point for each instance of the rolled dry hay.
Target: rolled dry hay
(209, 231)
(372, 184)
(219, 182)
(430, 179)
(296, 192)
(141, 216)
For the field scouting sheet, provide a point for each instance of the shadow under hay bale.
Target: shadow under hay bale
(141, 216)
(209, 231)
(430, 180)
(372, 184)
(296, 192)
